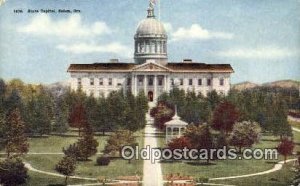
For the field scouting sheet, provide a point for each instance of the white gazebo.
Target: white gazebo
(175, 127)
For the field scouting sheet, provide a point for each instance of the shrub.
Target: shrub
(201, 180)
(103, 161)
(12, 172)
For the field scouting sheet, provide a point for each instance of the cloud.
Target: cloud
(269, 52)
(199, 33)
(72, 26)
(168, 26)
(85, 48)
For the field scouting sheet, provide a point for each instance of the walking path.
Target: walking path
(29, 167)
(277, 167)
(152, 174)
(295, 129)
(291, 118)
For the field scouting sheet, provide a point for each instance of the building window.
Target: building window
(172, 82)
(190, 81)
(150, 81)
(140, 79)
(91, 81)
(181, 81)
(128, 81)
(142, 48)
(208, 82)
(79, 81)
(221, 82)
(101, 81)
(160, 81)
(199, 82)
(110, 81)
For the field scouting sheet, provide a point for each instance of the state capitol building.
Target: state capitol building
(151, 72)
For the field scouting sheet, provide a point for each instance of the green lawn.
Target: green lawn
(218, 168)
(117, 167)
(279, 178)
(222, 168)
(54, 144)
(120, 167)
(37, 179)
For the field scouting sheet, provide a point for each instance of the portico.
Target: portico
(152, 79)
(151, 84)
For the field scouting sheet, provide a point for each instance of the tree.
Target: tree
(39, 113)
(77, 117)
(13, 101)
(66, 166)
(103, 123)
(116, 109)
(2, 88)
(72, 151)
(117, 140)
(131, 113)
(16, 140)
(192, 109)
(92, 115)
(213, 99)
(60, 124)
(179, 143)
(200, 137)
(224, 116)
(87, 145)
(285, 147)
(13, 172)
(245, 134)
(162, 114)
(141, 108)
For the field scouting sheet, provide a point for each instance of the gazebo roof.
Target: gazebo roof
(176, 121)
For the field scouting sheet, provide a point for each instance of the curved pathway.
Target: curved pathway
(277, 167)
(29, 167)
(295, 129)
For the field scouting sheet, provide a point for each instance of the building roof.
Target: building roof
(194, 66)
(101, 66)
(174, 67)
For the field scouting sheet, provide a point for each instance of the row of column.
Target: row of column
(166, 84)
(151, 47)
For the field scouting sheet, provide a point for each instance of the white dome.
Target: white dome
(150, 26)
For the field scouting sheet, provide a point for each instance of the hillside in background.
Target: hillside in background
(281, 83)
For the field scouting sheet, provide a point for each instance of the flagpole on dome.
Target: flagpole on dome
(158, 9)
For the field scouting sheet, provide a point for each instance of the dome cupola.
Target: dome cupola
(150, 40)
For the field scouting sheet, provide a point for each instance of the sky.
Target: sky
(259, 38)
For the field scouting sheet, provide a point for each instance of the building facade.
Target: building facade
(151, 72)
